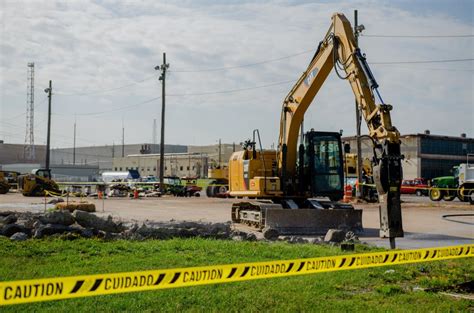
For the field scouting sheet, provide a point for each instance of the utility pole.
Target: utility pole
(162, 78)
(49, 91)
(74, 146)
(220, 152)
(357, 30)
(123, 140)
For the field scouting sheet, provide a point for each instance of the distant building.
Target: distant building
(194, 163)
(175, 164)
(14, 153)
(426, 155)
(102, 156)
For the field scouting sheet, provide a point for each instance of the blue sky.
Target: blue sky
(101, 54)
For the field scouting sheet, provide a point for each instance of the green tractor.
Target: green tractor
(460, 185)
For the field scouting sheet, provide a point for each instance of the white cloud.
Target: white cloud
(87, 46)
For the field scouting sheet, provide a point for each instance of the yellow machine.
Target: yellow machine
(11, 177)
(4, 185)
(290, 178)
(351, 165)
(219, 181)
(38, 183)
(367, 191)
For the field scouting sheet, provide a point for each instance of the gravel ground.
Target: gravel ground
(422, 218)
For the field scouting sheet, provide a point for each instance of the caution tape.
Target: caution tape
(23, 291)
(54, 194)
(422, 188)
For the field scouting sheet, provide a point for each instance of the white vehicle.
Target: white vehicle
(125, 176)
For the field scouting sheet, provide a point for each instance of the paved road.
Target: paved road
(422, 218)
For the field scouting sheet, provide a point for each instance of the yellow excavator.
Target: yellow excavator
(290, 185)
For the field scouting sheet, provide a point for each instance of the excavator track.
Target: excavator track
(305, 221)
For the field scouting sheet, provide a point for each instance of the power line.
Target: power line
(56, 135)
(231, 90)
(87, 93)
(117, 109)
(421, 62)
(242, 65)
(418, 36)
(430, 69)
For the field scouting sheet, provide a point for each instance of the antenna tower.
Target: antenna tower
(29, 148)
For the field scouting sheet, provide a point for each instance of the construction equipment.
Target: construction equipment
(288, 180)
(460, 185)
(11, 177)
(4, 185)
(367, 187)
(219, 181)
(38, 183)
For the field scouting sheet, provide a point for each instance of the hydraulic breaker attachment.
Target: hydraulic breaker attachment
(388, 177)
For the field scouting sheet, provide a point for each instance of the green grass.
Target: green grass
(368, 290)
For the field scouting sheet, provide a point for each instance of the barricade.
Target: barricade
(23, 291)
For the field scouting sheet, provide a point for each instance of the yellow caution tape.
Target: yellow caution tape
(422, 188)
(23, 291)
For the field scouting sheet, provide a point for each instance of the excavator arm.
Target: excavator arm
(339, 51)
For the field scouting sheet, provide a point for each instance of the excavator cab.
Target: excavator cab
(323, 165)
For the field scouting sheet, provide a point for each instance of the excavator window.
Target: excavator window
(323, 163)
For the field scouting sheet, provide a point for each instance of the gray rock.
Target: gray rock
(9, 219)
(10, 229)
(112, 236)
(316, 241)
(58, 217)
(70, 236)
(238, 235)
(296, 239)
(56, 200)
(155, 233)
(335, 235)
(87, 233)
(52, 229)
(251, 237)
(182, 230)
(89, 220)
(237, 238)
(19, 236)
(270, 233)
(351, 237)
(132, 229)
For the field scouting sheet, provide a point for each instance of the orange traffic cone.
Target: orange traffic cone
(347, 194)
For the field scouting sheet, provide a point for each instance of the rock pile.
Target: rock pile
(21, 226)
